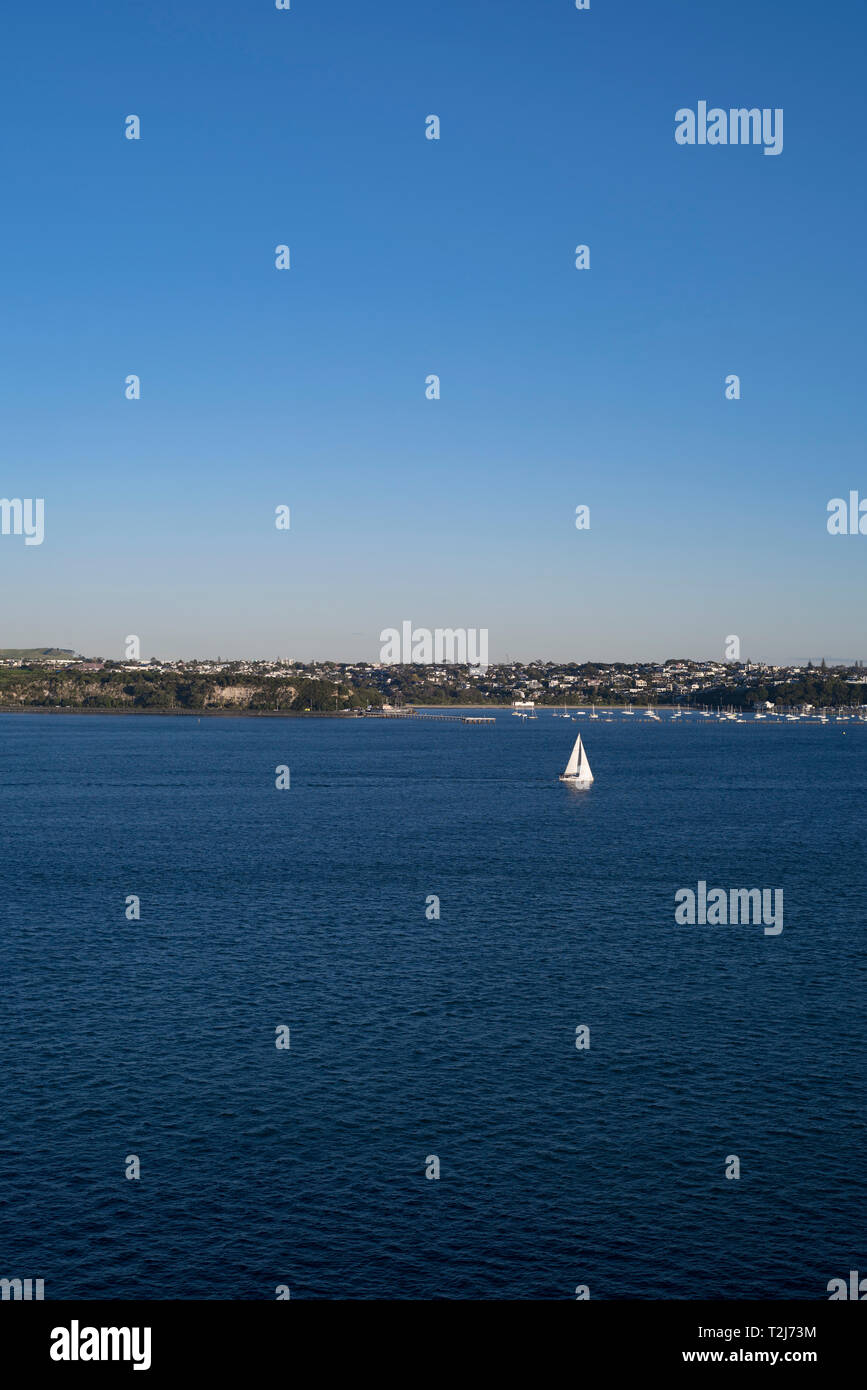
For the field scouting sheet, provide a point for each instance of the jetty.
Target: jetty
(411, 716)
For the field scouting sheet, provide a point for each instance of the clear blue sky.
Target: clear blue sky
(411, 257)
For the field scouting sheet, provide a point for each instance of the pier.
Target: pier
(411, 716)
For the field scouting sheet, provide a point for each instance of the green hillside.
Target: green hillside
(33, 653)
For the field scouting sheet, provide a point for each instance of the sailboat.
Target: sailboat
(577, 772)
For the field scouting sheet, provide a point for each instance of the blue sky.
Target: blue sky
(410, 257)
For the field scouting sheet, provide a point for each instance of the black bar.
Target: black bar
(247, 1337)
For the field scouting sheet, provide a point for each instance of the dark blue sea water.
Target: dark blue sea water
(412, 1037)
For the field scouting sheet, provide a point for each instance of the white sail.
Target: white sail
(578, 768)
(574, 759)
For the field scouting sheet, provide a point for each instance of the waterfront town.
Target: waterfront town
(54, 678)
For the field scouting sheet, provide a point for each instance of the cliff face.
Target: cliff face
(55, 690)
(61, 691)
(225, 695)
(251, 696)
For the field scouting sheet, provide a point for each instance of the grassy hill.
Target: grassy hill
(33, 653)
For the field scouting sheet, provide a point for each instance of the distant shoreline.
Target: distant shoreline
(183, 713)
(345, 715)
(308, 714)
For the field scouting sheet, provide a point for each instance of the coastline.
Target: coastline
(182, 713)
(229, 713)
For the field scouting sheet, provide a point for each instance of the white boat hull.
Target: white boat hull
(576, 781)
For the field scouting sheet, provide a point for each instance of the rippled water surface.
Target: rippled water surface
(411, 1037)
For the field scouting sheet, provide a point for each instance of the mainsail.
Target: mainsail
(578, 766)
